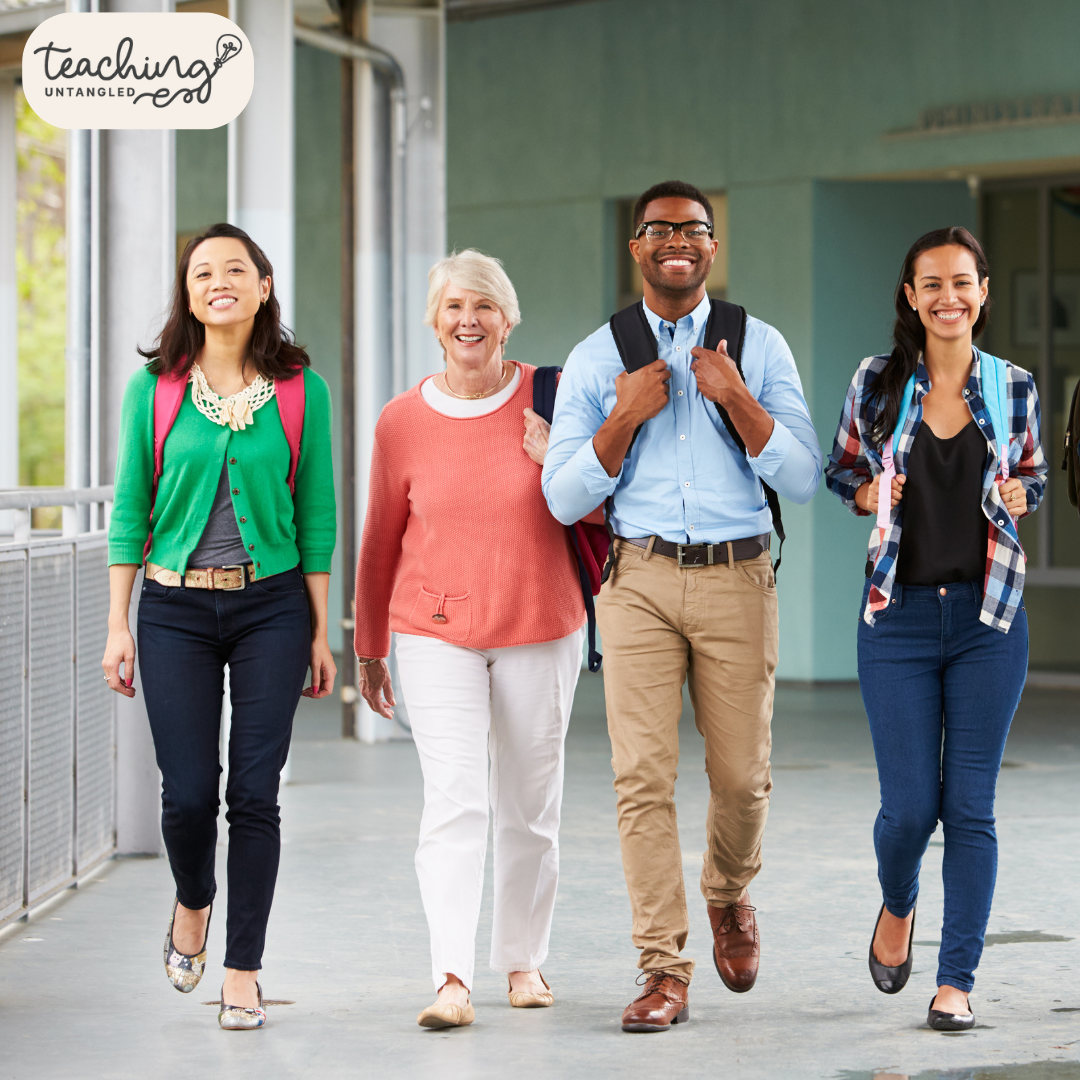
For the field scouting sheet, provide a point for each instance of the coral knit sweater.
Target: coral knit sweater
(458, 541)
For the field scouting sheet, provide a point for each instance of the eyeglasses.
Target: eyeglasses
(660, 232)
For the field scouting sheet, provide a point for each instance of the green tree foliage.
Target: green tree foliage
(41, 270)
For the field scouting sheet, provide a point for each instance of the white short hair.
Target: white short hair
(477, 272)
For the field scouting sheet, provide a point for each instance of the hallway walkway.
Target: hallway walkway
(82, 991)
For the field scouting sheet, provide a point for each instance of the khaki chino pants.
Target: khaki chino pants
(717, 628)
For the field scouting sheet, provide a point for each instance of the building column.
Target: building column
(9, 338)
(261, 179)
(136, 264)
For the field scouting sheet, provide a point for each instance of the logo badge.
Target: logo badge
(145, 70)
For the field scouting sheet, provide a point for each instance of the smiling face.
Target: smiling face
(947, 292)
(470, 327)
(675, 265)
(223, 283)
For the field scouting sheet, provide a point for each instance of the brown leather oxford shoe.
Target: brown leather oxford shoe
(662, 1003)
(736, 944)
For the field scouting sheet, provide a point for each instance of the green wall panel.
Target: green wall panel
(318, 250)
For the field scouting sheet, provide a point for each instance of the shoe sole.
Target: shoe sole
(682, 1018)
(733, 989)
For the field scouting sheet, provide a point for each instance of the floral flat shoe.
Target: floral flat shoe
(233, 1018)
(185, 971)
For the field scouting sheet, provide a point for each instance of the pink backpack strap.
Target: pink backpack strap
(290, 395)
(168, 397)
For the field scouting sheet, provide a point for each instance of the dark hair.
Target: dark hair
(273, 351)
(909, 334)
(670, 189)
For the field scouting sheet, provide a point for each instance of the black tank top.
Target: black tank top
(944, 532)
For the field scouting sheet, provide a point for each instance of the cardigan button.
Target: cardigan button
(236, 491)
(243, 521)
(232, 461)
(251, 547)
(438, 618)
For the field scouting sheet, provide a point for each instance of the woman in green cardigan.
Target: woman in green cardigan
(237, 573)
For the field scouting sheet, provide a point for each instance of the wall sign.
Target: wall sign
(144, 70)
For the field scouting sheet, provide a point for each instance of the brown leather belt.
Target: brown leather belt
(704, 554)
(226, 578)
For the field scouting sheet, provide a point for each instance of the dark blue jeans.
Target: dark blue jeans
(940, 689)
(186, 637)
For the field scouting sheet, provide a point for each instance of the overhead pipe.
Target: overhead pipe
(350, 47)
(384, 62)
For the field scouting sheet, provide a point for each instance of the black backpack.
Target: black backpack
(1071, 461)
(588, 541)
(637, 349)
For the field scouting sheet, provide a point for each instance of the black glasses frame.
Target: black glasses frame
(675, 226)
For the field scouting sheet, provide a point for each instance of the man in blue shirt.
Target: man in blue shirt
(691, 595)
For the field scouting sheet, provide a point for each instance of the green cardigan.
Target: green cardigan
(278, 529)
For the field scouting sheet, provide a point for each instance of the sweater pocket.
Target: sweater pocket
(448, 617)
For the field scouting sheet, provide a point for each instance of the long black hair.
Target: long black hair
(273, 351)
(909, 334)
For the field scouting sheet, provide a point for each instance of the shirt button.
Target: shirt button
(682, 436)
(678, 348)
(942, 592)
(236, 491)
(687, 484)
(251, 547)
(982, 423)
(232, 461)
(680, 393)
(243, 521)
(1001, 521)
(691, 528)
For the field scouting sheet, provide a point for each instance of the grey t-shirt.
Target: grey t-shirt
(220, 543)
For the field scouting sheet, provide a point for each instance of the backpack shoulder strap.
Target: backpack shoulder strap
(727, 322)
(291, 400)
(168, 397)
(545, 384)
(633, 337)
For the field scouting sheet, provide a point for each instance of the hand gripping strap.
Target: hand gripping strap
(291, 400)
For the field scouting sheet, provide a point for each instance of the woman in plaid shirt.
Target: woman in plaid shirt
(943, 637)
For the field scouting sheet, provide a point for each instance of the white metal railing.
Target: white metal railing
(57, 716)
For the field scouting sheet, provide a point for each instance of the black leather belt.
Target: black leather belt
(704, 554)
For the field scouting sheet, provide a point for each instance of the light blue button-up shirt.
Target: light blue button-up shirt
(684, 480)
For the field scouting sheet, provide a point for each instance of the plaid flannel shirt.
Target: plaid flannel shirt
(855, 460)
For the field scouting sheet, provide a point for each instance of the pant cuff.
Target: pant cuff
(963, 985)
(238, 965)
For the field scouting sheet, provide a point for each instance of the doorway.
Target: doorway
(1031, 230)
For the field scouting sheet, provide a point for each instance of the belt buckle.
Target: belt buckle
(680, 549)
(242, 567)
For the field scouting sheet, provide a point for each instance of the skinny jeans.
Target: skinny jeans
(469, 707)
(186, 637)
(940, 689)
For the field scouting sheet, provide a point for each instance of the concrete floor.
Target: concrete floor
(82, 991)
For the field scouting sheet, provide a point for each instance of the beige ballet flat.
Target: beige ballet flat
(521, 1000)
(445, 1014)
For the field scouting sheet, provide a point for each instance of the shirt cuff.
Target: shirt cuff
(774, 453)
(593, 475)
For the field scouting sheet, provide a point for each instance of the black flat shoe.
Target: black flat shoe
(947, 1021)
(891, 980)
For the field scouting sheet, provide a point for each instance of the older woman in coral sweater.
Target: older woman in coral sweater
(462, 559)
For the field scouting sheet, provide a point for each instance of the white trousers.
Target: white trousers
(466, 705)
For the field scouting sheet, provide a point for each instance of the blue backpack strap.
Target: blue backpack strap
(545, 383)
